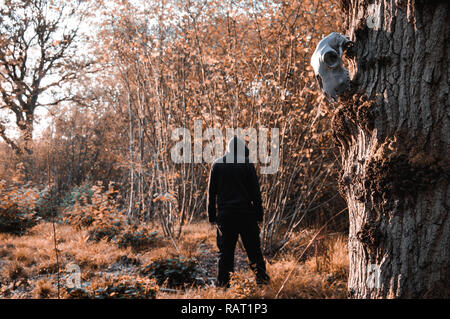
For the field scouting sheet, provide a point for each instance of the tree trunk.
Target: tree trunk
(26, 132)
(394, 135)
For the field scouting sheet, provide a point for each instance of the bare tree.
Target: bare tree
(38, 53)
(394, 134)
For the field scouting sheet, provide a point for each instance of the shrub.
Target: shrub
(77, 194)
(44, 289)
(13, 220)
(128, 261)
(97, 211)
(115, 287)
(103, 230)
(100, 213)
(82, 205)
(75, 293)
(136, 237)
(17, 206)
(46, 204)
(175, 272)
(15, 271)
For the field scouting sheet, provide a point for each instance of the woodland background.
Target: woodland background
(96, 186)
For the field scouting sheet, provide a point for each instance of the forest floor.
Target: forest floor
(28, 266)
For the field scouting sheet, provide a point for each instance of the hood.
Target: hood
(237, 147)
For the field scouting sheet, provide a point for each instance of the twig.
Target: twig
(55, 242)
(56, 252)
(170, 290)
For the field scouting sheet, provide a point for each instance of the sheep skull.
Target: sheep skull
(328, 67)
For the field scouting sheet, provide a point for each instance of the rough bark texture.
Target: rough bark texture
(394, 134)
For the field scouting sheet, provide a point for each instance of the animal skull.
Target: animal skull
(326, 61)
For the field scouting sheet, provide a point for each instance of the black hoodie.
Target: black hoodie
(234, 183)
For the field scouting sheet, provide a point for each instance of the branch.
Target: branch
(8, 141)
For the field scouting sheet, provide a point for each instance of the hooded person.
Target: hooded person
(234, 204)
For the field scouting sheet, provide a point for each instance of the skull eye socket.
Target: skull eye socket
(331, 59)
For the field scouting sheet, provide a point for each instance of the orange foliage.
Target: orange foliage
(228, 64)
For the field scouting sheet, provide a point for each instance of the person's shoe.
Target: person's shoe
(224, 285)
(262, 279)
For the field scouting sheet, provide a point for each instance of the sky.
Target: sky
(42, 114)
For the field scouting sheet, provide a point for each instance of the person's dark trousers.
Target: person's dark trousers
(229, 229)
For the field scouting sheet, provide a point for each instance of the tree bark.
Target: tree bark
(394, 136)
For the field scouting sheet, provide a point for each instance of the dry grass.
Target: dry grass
(322, 275)
(14, 271)
(29, 261)
(44, 289)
